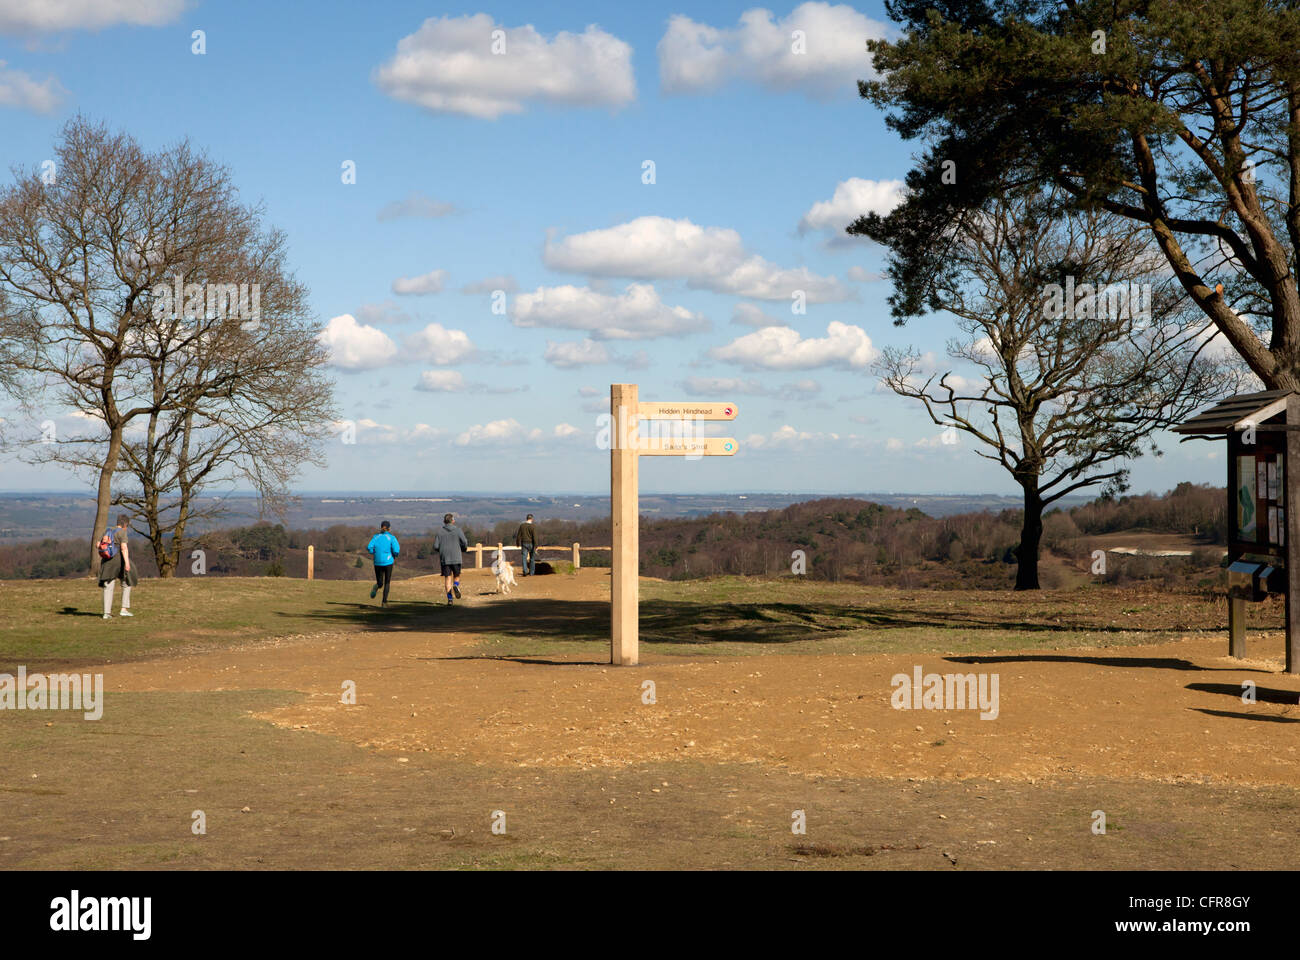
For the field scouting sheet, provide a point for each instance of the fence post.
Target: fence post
(577, 557)
(311, 562)
(478, 555)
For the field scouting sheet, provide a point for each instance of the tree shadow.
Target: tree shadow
(702, 623)
(1262, 694)
(1155, 663)
(528, 660)
(1235, 715)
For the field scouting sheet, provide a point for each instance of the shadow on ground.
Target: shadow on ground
(1262, 694)
(690, 622)
(1155, 663)
(1237, 715)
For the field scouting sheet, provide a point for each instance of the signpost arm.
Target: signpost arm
(623, 468)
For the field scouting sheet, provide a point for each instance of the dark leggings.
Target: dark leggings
(383, 577)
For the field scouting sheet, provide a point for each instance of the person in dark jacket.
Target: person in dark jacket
(526, 541)
(449, 542)
(118, 567)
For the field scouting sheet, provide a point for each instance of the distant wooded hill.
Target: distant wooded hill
(840, 539)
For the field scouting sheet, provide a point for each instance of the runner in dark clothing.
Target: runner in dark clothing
(449, 542)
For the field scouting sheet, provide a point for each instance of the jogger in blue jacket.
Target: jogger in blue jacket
(384, 548)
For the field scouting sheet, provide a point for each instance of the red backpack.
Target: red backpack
(107, 548)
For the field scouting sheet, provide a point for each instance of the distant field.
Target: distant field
(32, 516)
(60, 619)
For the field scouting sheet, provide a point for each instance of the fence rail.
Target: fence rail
(478, 548)
(575, 548)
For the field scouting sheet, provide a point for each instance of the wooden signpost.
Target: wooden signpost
(626, 449)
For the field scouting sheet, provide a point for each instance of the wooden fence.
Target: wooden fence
(478, 548)
(576, 549)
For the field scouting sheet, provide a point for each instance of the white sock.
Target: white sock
(126, 596)
(109, 588)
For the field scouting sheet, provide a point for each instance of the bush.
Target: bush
(1058, 529)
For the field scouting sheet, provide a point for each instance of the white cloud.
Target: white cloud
(695, 57)
(43, 16)
(801, 388)
(20, 91)
(498, 433)
(387, 313)
(862, 275)
(448, 66)
(708, 258)
(722, 386)
(495, 433)
(430, 282)
(355, 346)
(437, 344)
(369, 432)
(417, 204)
(635, 314)
(852, 198)
(441, 381)
(452, 381)
(492, 284)
(576, 353)
(787, 436)
(935, 441)
(782, 348)
(749, 315)
(927, 366)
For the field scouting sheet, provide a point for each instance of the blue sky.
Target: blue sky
(524, 171)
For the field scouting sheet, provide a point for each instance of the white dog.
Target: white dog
(504, 573)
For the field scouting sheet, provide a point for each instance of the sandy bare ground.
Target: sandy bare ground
(1171, 712)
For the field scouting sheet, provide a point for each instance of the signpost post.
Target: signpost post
(626, 448)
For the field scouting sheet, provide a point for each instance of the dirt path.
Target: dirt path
(1170, 712)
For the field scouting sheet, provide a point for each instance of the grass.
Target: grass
(735, 616)
(59, 620)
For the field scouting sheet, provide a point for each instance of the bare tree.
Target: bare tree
(269, 419)
(82, 259)
(1084, 345)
